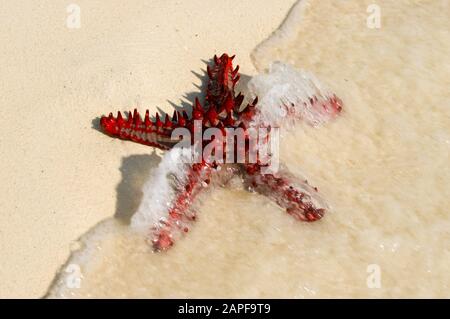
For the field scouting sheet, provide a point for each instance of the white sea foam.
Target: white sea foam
(284, 89)
(160, 189)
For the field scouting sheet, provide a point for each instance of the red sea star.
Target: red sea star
(223, 110)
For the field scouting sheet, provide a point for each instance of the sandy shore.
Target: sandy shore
(59, 174)
(382, 166)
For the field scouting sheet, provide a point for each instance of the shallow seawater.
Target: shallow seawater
(383, 167)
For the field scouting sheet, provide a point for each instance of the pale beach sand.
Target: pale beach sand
(59, 175)
(382, 166)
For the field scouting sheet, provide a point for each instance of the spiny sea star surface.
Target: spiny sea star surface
(285, 95)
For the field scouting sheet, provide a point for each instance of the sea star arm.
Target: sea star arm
(287, 95)
(221, 108)
(156, 133)
(296, 196)
(181, 212)
(167, 207)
